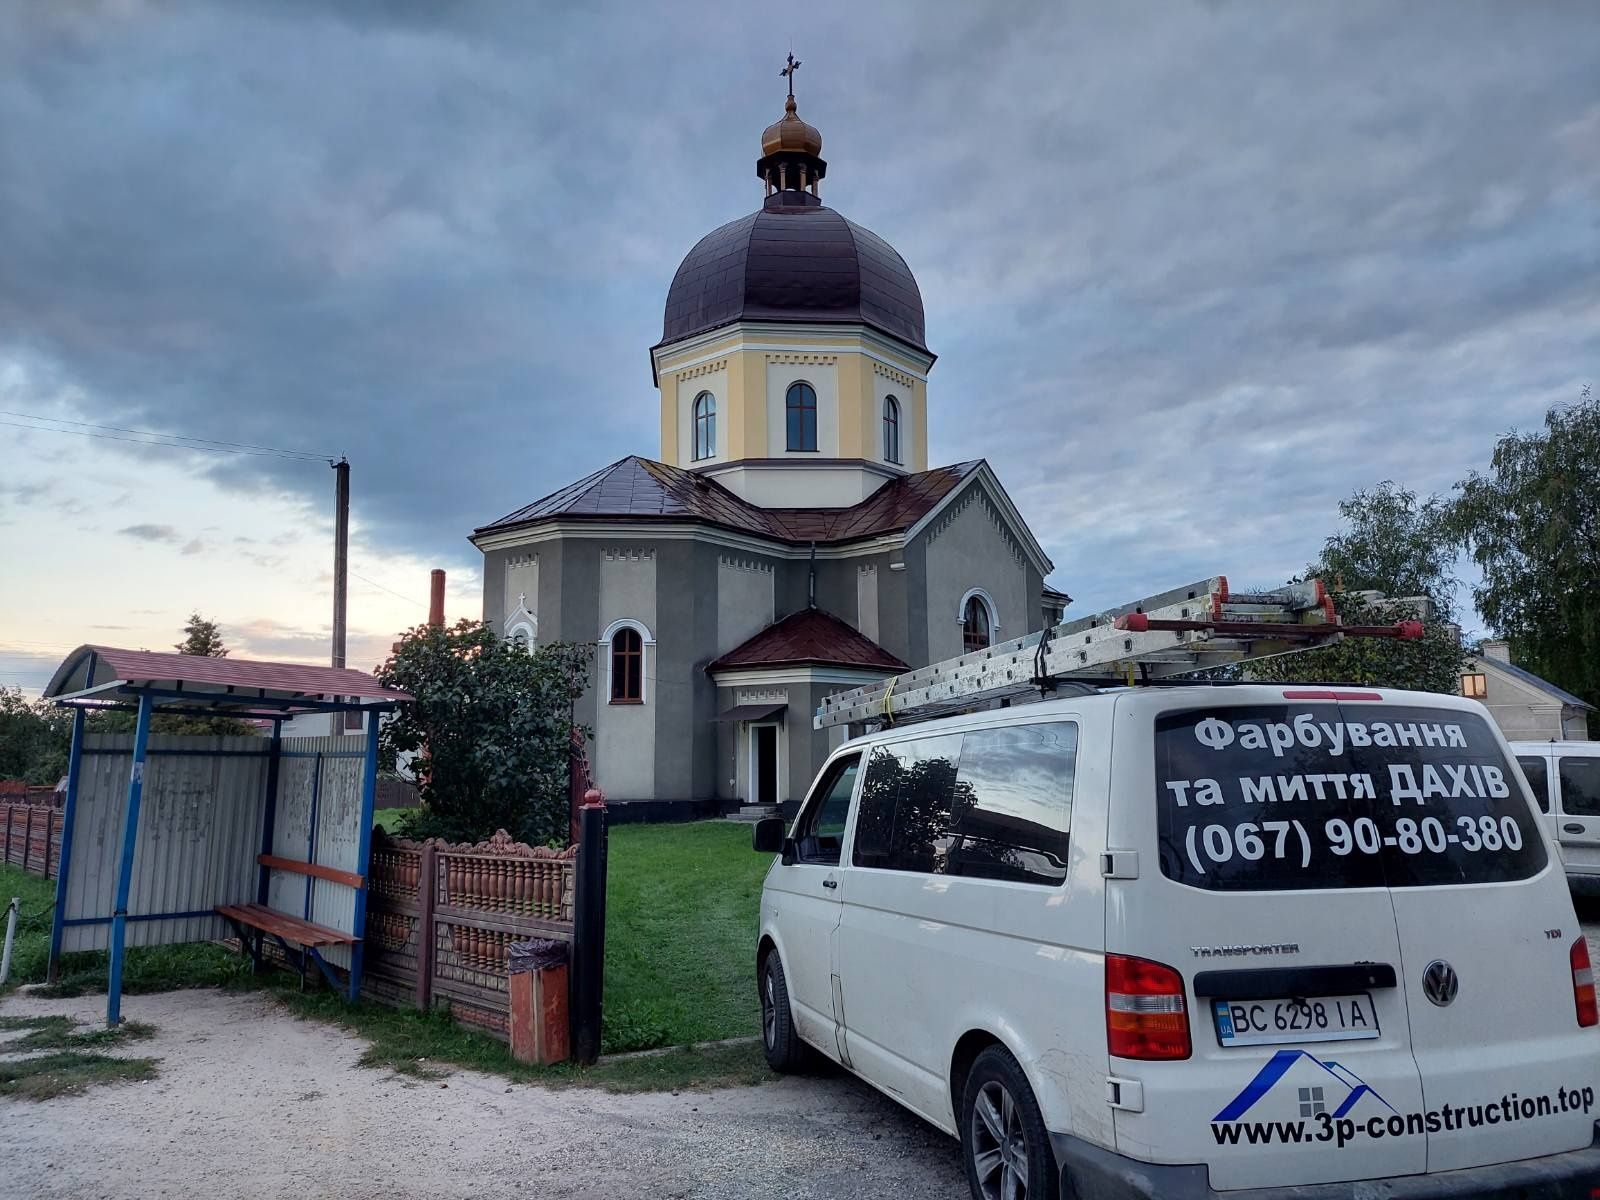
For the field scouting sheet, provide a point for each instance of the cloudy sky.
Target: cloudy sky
(1194, 271)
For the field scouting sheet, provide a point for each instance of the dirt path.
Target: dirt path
(250, 1102)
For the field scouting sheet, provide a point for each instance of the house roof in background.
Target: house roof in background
(1532, 680)
(638, 488)
(809, 637)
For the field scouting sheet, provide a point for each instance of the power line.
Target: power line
(381, 588)
(175, 441)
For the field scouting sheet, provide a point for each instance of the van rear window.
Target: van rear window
(1270, 797)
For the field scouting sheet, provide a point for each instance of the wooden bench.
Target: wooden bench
(252, 922)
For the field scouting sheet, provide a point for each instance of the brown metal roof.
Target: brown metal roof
(809, 637)
(106, 672)
(793, 260)
(640, 488)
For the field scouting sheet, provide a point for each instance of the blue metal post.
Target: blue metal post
(64, 862)
(269, 819)
(369, 798)
(130, 838)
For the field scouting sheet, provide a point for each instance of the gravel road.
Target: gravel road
(250, 1102)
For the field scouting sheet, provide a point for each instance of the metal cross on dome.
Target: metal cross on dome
(788, 72)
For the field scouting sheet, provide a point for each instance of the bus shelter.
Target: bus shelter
(179, 838)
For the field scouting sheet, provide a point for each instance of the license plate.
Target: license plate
(1286, 1021)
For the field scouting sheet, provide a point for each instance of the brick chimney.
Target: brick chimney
(436, 598)
(1499, 650)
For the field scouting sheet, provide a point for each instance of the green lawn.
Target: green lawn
(683, 904)
(387, 819)
(680, 968)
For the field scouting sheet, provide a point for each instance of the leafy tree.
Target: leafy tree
(1432, 664)
(34, 738)
(491, 727)
(1401, 546)
(201, 637)
(1533, 527)
(1392, 543)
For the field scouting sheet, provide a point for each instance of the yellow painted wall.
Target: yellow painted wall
(744, 423)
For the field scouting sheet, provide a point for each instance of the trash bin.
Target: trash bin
(538, 984)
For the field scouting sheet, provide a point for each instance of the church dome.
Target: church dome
(796, 261)
(791, 133)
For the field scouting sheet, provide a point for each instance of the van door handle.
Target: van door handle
(1572, 827)
(830, 883)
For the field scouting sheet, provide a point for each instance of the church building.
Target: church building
(789, 540)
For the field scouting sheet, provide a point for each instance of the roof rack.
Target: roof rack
(1196, 628)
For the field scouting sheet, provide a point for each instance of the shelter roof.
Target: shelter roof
(641, 488)
(809, 637)
(196, 683)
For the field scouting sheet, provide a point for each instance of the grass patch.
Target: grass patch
(680, 968)
(69, 1072)
(62, 1033)
(683, 909)
(144, 969)
(388, 819)
(31, 952)
(426, 1046)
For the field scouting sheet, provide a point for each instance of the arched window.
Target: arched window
(801, 406)
(976, 628)
(891, 429)
(705, 425)
(627, 666)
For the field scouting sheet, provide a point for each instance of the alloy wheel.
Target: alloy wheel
(999, 1145)
(769, 1010)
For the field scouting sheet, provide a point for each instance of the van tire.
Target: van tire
(1002, 1124)
(786, 1053)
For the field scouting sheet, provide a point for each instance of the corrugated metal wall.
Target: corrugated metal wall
(200, 831)
(327, 770)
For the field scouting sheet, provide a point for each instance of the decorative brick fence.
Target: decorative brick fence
(32, 837)
(440, 918)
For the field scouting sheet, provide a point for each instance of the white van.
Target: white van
(1565, 780)
(1173, 942)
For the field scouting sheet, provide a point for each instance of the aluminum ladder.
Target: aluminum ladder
(1177, 632)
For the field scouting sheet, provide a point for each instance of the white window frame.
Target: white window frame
(646, 640)
(988, 602)
(711, 426)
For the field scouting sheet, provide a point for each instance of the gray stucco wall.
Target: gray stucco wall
(969, 547)
(698, 606)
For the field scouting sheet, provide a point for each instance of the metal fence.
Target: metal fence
(32, 838)
(441, 917)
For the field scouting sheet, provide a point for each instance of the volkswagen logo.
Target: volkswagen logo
(1439, 982)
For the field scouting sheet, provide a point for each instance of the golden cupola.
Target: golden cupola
(791, 154)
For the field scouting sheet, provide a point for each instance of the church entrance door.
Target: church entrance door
(763, 764)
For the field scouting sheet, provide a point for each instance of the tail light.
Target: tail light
(1146, 1014)
(1583, 984)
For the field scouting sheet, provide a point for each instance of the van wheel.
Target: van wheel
(785, 1052)
(1003, 1138)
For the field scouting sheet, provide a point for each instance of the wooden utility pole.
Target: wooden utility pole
(341, 555)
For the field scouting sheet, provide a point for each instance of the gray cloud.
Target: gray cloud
(152, 533)
(1194, 271)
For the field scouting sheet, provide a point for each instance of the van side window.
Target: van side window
(906, 802)
(1580, 786)
(819, 835)
(988, 804)
(1019, 781)
(1538, 780)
